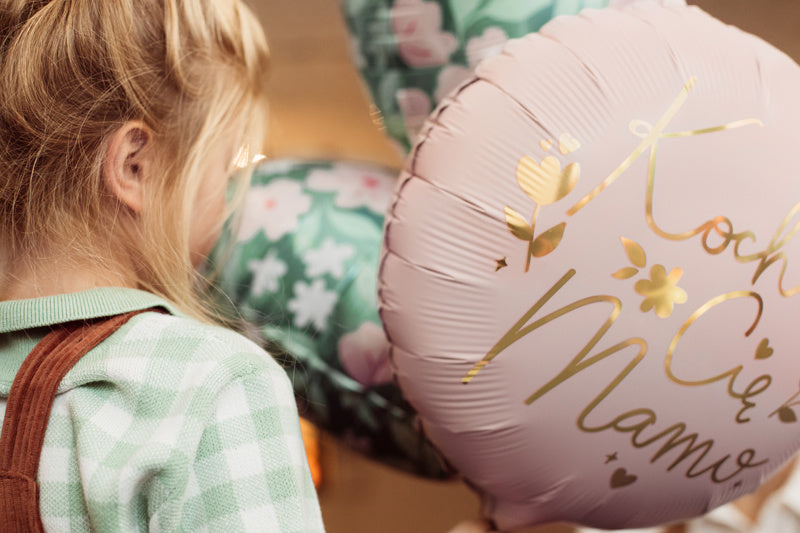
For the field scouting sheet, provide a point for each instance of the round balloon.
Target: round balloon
(412, 53)
(590, 275)
(301, 271)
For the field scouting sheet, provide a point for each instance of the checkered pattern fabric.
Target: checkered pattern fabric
(168, 425)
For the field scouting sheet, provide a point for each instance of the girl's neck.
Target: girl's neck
(52, 274)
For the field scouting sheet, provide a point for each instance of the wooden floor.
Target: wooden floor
(319, 109)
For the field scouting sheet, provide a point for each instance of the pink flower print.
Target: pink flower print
(274, 208)
(489, 44)
(355, 186)
(449, 78)
(415, 106)
(364, 354)
(417, 28)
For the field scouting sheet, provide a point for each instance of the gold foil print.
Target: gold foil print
(474, 371)
(529, 253)
(706, 307)
(678, 442)
(548, 241)
(764, 351)
(546, 183)
(501, 264)
(621, 478)
(661, 291)
(647, 142)
(518, 226)
(785, 412)
(729, 126)
(625, 273)
(776, 243)
(786, 415)
(635, 252)
(519, 330)
(764, 264)
(568, 144)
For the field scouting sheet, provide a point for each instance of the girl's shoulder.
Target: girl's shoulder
(156, 350)
(187, 335)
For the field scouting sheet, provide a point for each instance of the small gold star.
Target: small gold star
(501, 263)
(611, 457)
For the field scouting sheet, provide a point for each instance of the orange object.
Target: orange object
(311, 440)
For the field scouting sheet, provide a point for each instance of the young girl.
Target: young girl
(119, 123)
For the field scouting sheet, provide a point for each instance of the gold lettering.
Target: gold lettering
(722, 226)
(636, 421)
(719, 226)
(649, 140)
(750, 390)
(750, 453)
(578, 364)
(754, 388)
(517, 331)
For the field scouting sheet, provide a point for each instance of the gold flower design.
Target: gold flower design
(545, 183)
(661, 290)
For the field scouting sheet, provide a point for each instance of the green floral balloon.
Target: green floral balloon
(412, 53)
(302, 273)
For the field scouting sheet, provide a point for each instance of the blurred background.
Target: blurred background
(319, 108)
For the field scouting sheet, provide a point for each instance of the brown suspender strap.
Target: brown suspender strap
(28, 410)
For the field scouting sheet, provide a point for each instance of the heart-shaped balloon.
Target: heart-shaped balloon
(590, 274)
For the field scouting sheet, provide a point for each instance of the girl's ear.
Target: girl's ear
(127, 163)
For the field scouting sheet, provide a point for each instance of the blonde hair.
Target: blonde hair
(72, 72)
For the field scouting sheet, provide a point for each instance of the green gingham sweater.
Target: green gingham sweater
(168, 425)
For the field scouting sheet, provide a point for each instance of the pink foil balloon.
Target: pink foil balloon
(590, 273)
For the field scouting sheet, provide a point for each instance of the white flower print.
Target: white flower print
(489, 44)
(274, 208)
(417, 27)
(312, 304)
(329, 257)
(364, 355)
(355, 186)
(267, 273)
(450, 77)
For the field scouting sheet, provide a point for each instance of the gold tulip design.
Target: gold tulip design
(545, 183)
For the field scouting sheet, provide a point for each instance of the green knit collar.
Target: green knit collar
(16, 315)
